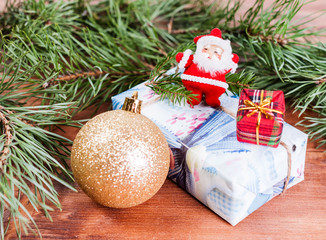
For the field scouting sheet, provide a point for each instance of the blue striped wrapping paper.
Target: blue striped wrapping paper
(231, 178)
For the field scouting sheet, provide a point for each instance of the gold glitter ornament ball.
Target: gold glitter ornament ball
(120, 159)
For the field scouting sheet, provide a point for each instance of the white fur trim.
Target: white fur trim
(184, 59)
(233, 67)
(204, 80)
(208, 40)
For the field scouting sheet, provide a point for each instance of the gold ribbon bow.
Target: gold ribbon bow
(261, 109)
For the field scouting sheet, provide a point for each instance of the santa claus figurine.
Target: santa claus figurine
(205, 70)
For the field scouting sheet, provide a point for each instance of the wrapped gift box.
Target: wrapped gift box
(232, 178)
(262, 126)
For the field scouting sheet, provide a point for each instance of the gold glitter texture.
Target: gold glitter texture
(120, 159)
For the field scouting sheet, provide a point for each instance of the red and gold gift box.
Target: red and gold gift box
(260, 117)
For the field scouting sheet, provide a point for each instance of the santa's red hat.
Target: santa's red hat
(215, 37)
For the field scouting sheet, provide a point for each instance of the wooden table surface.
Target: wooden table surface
(174, 214)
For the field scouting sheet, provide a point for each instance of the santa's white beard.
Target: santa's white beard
(214, 65)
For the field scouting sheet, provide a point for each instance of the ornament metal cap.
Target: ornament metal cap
(132, 104)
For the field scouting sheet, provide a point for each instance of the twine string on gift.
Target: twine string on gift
(261, 109)
(286, 182)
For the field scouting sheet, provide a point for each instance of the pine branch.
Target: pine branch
(316, 126)
(167, 84)
(84, 75)
(34, 162)
(239, 81)
(59, 48)
(176, 92)
(8, 140)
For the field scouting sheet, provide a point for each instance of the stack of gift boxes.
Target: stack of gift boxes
(233, 159)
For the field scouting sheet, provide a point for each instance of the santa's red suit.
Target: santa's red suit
(208, 83)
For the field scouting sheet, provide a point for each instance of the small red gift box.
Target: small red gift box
(260, 117)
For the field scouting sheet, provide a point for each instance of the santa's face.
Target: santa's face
(213, 58)
(213, 51)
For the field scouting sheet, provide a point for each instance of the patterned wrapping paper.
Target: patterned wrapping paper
(269, 130)
(231, 178)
